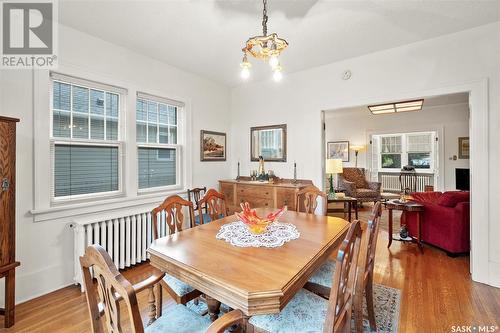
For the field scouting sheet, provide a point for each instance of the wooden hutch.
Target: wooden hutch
(8, 261)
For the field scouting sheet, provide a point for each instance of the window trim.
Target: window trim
(181, 141)
(119, 142)
(404, 151)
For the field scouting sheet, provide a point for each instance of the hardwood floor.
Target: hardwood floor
(437, 293)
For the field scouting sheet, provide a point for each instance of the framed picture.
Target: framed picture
(338, 149)
(463, 147)
(268, 142)
(212, 146)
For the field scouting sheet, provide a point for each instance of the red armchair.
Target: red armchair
(446, 220)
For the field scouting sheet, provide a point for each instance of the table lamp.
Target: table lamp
(333, 166)
(357, 149)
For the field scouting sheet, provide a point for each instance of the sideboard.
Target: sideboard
(261, 194)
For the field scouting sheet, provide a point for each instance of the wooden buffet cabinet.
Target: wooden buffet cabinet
(8, 261)
(260, 194)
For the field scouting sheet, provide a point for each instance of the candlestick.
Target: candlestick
(294, 172)
(238, 176)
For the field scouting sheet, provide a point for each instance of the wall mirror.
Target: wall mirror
(268, 142)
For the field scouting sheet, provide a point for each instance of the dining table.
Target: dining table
(255, 280)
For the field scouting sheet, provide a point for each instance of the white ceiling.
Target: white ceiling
(205, 37)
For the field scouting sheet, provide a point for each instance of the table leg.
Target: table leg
(213, 308)
(419, 232)
(390, 227)
(9, 298)
(349, 208)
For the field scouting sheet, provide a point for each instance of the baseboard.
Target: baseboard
(41, 282)
(494, 270)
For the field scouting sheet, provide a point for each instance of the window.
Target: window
(415, 149)
(84, 140)
(391, 152)
(157, 138)
(419, 150)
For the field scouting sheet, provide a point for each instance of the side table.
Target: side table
(350, 201)
(409, 206)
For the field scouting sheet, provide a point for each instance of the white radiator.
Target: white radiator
(125, 237)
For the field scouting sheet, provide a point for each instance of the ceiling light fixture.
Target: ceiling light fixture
(405, 106)
(265, 47)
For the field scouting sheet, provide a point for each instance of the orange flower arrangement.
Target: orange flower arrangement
(257, 225)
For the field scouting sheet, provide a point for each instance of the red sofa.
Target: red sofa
(445, 222)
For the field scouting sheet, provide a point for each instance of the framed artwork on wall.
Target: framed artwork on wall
(463, 147)
(338, 149)
(212, 146)
(268, 142)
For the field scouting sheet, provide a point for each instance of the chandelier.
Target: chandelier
(265, 47)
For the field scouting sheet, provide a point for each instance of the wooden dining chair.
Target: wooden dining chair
(320, 283)
(308, 312)
(214, 204)
(169, 216)
(105, 301)
(195, 194)
(306, 200)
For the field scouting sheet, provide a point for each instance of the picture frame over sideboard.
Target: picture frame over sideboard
(268, 142)
(338, 150)
(463, 147)
(213, 146)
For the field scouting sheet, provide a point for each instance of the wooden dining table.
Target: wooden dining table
(255, 280)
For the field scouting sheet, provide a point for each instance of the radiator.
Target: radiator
(125, 237)
(390, 181)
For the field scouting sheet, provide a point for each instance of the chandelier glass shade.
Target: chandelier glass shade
(266, 47)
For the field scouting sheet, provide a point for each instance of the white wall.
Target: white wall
(45, 249)
(434, 64)
(355, 125)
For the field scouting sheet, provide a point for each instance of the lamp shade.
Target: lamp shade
(334, 165)
(357, 147)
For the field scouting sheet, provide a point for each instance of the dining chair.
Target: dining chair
(194, 195)
(214, 204)
(320, 283)
(308, 312)
(169, 216)
(306, 200)
(105, 301)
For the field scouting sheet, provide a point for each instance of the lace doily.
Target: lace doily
(276, 235)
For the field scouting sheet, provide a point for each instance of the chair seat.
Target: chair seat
(179, 287)
(324, 274)
(179, 319)
(306, 312)
(206, 218)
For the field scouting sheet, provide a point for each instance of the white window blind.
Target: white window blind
(419, 142)
(391, 144)
(158, 153)
(85, 136)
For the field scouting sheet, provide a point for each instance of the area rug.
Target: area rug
(386, 303)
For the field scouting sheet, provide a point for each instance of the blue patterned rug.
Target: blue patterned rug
(386, 302)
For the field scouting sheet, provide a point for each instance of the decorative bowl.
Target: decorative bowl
(257, 225)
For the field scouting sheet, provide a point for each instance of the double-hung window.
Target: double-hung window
(391, 149)
(85, 138)
(419, 150)
(158, 145)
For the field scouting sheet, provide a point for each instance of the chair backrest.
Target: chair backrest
(355, 175)
(112, 289)
(195, 194)
(170, 212)
(408, 180)
(306, 200)
(214, 204)
(344, 278)
(372, 235)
